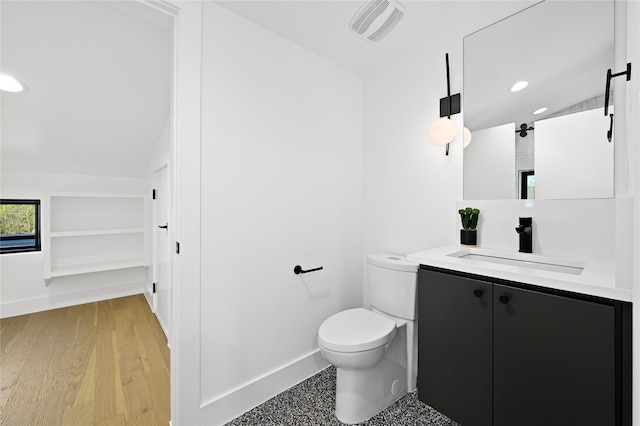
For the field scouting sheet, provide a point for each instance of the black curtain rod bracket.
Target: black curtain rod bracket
(626, 72)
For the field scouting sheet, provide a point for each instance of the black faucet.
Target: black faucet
(526, 234)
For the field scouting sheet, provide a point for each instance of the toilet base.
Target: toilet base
(361, 394)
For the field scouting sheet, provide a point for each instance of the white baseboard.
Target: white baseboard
(152, 300)
(242, 399)
(39, 304)
(162, 326)
(149, 296)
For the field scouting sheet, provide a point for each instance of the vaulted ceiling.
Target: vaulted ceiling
(98, 73)
(97, 77)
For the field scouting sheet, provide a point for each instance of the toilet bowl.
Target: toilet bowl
(355, 338)
(373, 349)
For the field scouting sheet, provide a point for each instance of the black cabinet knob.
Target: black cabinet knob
(504, 299)
(477, 292)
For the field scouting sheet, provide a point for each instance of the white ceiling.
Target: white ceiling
(564, 50)
(98, 73)
(564, 60)
(323, 26)
(98, 86)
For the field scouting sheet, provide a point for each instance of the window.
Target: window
(527, 185)
(19, 226)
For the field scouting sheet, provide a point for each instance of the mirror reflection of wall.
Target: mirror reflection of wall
(565, 62)
(489, 166)
(571, 162)
(525, 161)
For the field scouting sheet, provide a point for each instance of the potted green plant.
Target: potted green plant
(468, 234)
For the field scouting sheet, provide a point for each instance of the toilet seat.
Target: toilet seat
(356, 330)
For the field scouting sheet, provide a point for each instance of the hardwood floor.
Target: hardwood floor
(103, 363)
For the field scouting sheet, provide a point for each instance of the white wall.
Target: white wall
(573, 157)
(490, 176)
(629, 172)
(579, 229)
(22, 284)
(412, 191)
(410, 185)
(281, 160)
(162, 148)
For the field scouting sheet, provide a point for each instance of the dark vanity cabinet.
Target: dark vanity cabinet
(500, 353)
(454, 346)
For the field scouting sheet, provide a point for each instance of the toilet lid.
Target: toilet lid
(356, 330)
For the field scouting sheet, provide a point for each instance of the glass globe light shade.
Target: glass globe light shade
(9, 84)
(466, 137)
(442, 131)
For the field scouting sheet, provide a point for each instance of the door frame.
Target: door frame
(165, 323)
(184, 209)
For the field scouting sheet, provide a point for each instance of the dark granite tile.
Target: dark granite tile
(311, 403)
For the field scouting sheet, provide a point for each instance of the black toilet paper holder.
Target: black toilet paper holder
(298, 270)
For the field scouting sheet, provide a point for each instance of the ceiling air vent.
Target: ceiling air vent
(376, 18)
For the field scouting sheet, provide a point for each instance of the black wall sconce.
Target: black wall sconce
(443, 130)
(451, 104)
(523, 130)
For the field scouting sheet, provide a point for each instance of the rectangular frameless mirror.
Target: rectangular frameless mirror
(562, 49)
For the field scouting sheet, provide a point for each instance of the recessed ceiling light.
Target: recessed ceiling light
(10, 84)
(539, 111)
(519, 86)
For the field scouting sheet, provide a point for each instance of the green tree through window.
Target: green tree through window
(17, 219)
(19, 225)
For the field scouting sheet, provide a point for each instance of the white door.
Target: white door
(161, 250)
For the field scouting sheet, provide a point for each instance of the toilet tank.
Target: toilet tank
(392, 284)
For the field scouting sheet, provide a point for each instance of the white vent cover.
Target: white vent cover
(376, 18)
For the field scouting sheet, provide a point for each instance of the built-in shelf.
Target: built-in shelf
(94, 232)
(96, 267)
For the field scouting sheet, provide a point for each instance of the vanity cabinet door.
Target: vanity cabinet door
(553, 360)
(454, 338)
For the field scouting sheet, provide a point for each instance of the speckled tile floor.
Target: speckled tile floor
(311, 403)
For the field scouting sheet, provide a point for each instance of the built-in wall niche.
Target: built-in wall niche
(84, 233)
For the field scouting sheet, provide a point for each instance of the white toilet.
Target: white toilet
(374, 351)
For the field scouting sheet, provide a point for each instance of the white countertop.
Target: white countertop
(597, 277)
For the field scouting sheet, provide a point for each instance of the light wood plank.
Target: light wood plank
(18, 339)
(86, 391)
(79, 414)
(48, 410)
(19, 405)
(104, 363)
(120, 406)
(105, 390)
(85, 344)
(118, 420)
(56, 377)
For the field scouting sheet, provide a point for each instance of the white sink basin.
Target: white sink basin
(522, 260)
(595, 277)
